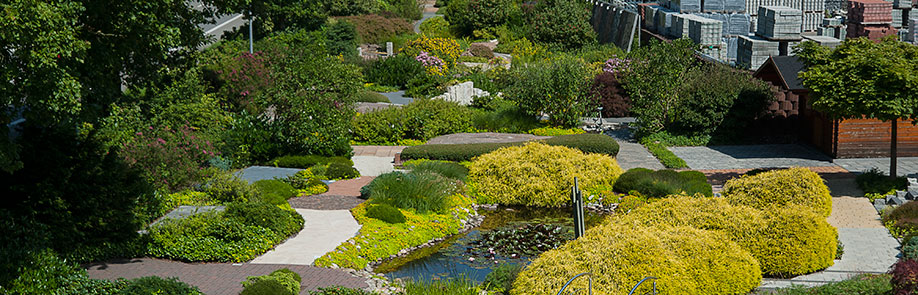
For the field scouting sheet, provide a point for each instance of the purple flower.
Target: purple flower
(614, 65)
(428, 60)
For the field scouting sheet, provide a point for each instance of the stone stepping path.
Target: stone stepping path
(869, 248)
(323, 232)
(219, 278)
(256, 173)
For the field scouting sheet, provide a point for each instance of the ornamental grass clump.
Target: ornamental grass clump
(686, 260)
(423, 192)
(537, 174)
(662, 183)
(779, 188)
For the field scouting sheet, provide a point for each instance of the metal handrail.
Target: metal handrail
(589, 276)
(642, 281)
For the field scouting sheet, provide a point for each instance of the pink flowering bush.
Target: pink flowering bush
(171, 159)
(433, 64)
(243, 77)
(616, 65)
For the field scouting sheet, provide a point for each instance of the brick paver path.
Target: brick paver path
(341, 195)
(219, 278)
(632, 154)
(904, 165)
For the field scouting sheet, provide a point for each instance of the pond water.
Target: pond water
(466, 255)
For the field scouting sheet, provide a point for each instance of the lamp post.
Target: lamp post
(251, 43)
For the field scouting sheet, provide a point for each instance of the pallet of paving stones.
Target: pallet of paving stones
(680, 28)
(869, 12)
(685, 6)
(664, 21)
(897, 21)
(734, 24)
(902, 3)
(912, 35)
(705, 31)
(753, 51)
(779, 23)
(723, 6)
(826, 41)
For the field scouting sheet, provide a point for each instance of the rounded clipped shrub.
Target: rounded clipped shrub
(588, 143)
(274, 191)
(781, 188)
(226, 188)
(158, 285)
(386, 213)
(662, 183)
(279, 282)
(480, 50)
(341, 171)
(785, 240)
(686, 260)
(538, 175)
(370, 96)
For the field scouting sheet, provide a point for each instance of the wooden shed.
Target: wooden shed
(853, 138)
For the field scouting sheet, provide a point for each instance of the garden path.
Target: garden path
(219, 278)
(428, 11)
(632, 154)
(905, 165)
(323, 232)
(869, 248)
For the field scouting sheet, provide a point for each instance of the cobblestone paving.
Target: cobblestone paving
(751, 156)
(904, 166)
(219, 278)
(632, 154)
(869, 248)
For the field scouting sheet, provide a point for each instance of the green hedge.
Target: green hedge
(307, 161)
(666, 157)
(662, 183)
(588, 143)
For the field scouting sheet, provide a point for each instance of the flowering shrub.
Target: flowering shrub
(905, 277)
(433, 64)
(446, 49)
(616, 65)
(170, 159)
(243, 77)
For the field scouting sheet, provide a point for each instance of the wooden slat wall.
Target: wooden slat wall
(871, 138)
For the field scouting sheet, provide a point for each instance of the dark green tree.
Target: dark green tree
(277, 15)
(67, 62)
(864, 79)
(655, 79)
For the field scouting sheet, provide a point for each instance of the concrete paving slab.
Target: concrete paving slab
(323, 232)
(373, 165)
(256, 173)
(904, 165)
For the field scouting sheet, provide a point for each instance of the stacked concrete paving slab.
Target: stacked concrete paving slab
(753, 51)
(823, 40)
(705, 31)
(912, 35)
(779, 23)
(680, 27)
(664, 21)
(832, 27)
(685, 6)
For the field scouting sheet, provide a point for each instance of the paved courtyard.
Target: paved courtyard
(751, 156)
(904, 165)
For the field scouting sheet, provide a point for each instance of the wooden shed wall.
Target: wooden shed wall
(869, 138)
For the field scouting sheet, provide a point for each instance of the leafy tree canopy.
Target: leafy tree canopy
(863, 78)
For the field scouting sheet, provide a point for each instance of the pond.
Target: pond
(501, 238)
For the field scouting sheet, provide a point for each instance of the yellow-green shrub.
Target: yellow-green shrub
(686, 260)
(378, 239)
(786, 240)
(537, 174)
(780, 188)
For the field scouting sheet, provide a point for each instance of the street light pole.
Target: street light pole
(251, 46)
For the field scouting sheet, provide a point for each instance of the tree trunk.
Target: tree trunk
(892, 149)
